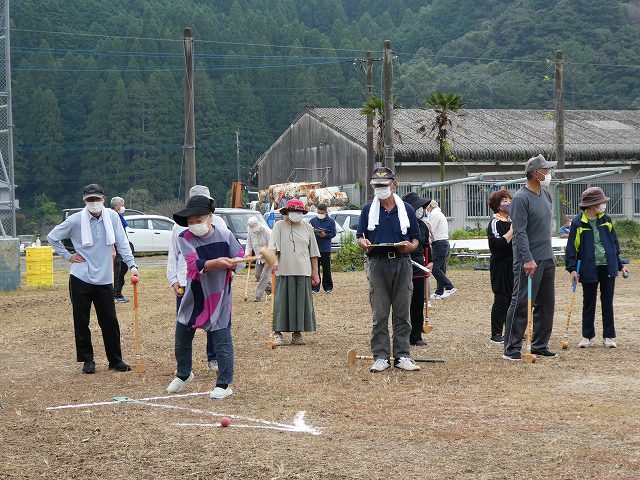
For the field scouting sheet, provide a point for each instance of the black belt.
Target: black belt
(390, 255)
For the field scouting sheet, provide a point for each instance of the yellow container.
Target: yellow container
(39, 266)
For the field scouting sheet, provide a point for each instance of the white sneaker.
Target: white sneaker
(609, 343)
(436, 296)
(380, 365)
(213, 366)
(585, 342)
(219, 393)
(448, 293)
(408, 364)
(277, 339)
(429, 303)
(176, 384)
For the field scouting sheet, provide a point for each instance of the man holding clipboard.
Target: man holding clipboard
(389, 232)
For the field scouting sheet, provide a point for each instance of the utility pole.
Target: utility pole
(189, 120)
(238, 153)
(560, 154)
(370, 153)
(388, 160)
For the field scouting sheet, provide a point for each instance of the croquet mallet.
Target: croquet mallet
(353, 357)
(529, 357)
(138, 366)
(269, 256)
(564, 343)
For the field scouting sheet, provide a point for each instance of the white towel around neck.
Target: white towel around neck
(374, 214)
(85, 227)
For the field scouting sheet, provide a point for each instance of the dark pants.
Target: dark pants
(325, 276)
(82, 296)
(439, 254)
(184, 352)
(501, 273)
(589, 299)
(417, 309)
(119, 271)
(211, 348)
(543, 302)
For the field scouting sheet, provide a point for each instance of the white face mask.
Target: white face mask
(601, 208)
(121, 210)
(199, 229)
(295, 217)
(95, 207)
(382, 192)
(547, 180)
(322, 216)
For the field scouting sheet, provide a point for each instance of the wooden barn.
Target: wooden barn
(329, 145)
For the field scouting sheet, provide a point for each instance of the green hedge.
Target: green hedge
(350, 257)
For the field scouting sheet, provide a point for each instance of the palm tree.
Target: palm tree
(375, 106)
(445, 105)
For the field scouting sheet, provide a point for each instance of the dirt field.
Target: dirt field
(474, 417)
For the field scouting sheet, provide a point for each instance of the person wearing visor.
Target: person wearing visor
(177, 269)
(206, 302)
(388, 231)
(500, 234)
(94, 231)
(594, 242)
(531, 213)
(297, 251)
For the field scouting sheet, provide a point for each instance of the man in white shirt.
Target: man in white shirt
(177, 268)
(93, 232)
(439, 237)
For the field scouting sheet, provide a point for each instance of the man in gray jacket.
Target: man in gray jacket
(531, 214)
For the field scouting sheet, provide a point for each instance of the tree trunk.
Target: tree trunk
(443, 188)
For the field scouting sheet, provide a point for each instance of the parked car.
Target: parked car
(347, 219)
(70, 211)
(236, 220)
(149, 233)
(335, 241)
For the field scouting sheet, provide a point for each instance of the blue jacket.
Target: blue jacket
(327, 224)
(580, 246)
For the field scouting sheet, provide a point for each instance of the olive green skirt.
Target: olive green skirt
(293, 308)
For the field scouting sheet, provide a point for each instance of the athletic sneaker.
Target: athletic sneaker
(406, 363)
(429, 303)
(121, 299)
(544, 353)
(585, 342)
(437, 296)
(380, 365)
(219, 393)
(277, 338)
(514, 357)
(328, 291)
(448, 293)
(609, 343)
(213, 366)
(176, 384)
(296, 339)
(497, 339)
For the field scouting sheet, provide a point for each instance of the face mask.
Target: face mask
(382, 192)
(295, 217)
(121, 210)
(420, 212)
(95, 207)
(322, 216)
(547, 180)
(199, 229)
(506, 208)
(601, 208)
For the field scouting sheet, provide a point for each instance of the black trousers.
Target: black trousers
(119, 271)
(501, 274)
(589, 299)
(325, 276)
(416, 310)
(101, 296)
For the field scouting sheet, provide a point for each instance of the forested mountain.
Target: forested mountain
(98, 84)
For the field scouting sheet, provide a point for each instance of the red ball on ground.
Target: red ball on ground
(135, 279)
(225, 421)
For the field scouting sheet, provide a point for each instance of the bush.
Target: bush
(627, 228)
(465, 233)
(350, 257)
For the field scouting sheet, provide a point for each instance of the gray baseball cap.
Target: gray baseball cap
(536, 163)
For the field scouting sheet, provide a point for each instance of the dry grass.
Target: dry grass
(474, 417)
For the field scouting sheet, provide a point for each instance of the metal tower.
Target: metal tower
(7, 184)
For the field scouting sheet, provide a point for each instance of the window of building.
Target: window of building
(615, 192)
(636, 198)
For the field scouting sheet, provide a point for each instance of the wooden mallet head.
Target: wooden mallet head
(269, 256)
(352, 356)
(529, 358)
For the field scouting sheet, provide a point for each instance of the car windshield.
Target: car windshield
(238, 221)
